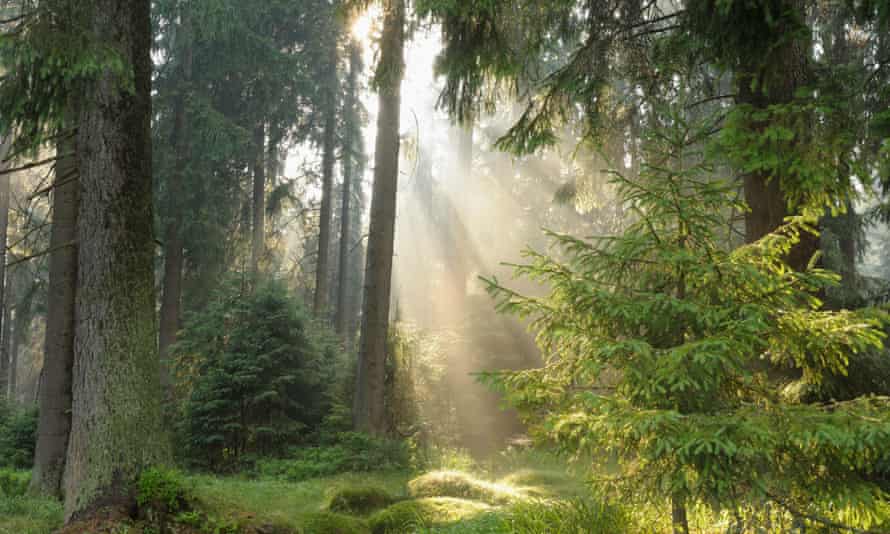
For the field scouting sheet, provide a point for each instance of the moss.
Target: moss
(425, 513)
(332, 523)
(462, 485)
(544, 483)
(361, 500)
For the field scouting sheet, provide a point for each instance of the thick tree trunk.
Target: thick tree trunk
(322, 274)
(54, 396)
(171, 299)
(4, 228)
(344, 304)
(116, 429)
(774, 80)
(258, 245)
(369, 407)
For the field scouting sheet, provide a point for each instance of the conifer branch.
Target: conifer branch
(41, 254)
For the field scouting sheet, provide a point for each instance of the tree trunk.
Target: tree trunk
(259, 199)
(116, 429)
(4, 228)
(679, 518)
(54, 396)
(171, 299)
(14, 329)
(369, 407)
(771, 81)
(322, 274)
(348, 164)
(6, 348)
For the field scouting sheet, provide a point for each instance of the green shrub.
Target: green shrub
(18, 436)
(360, 500)
(407, 516)
(352, 452)
(331, 523)
(257, 374)
(29, 515)
(162, 493)
(13, 484)
(567, 517)
(462, 485)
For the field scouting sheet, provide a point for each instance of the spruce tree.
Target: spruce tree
(660, 343)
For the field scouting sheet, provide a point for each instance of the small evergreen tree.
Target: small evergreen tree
(664, 347)
(255, 373)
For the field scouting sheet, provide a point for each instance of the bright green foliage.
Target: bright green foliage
(663, 347)
(567, 517)
(349, 452)
(464, 486)
(360, 500)
(331, 523)
(18, 435)
(408, 516)
(162, 489)
(13, 483)
(255, 371)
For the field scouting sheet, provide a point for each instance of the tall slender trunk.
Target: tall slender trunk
(13, 346)
(679, 517)
(4, 228)
(322, 274)
(370, 394)
(348, 159)
(6, 337)
(171, 299)
(771, 81)
(116, 429)
(258, 245)
(54, 395)
(21, 333)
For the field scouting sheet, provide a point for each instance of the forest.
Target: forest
(444, 266)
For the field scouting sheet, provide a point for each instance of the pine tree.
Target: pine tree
(657, 339)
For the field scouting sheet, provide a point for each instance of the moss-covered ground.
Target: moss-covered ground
(532, 494)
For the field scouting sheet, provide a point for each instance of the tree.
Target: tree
(329, 145)
(370, 392)
(352, 165)
(4, 230)
(116, 417)
(655, 341)
(55, 389)
(171, 299)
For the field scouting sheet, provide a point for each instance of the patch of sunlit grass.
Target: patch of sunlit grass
(465, 486)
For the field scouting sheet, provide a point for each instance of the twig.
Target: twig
(64, 180)
(35, 164)
(40, 254)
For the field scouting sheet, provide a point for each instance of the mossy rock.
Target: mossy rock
(464, 486)
(360, 500)
(332, 523)
(427, 512)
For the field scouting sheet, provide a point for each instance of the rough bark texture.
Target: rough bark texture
(171, 300)
(344, 303)
(772, 81)
(322, 271)
(369, 407)
(4, 227)
(54, 396)
(258, 244)
(116, 428)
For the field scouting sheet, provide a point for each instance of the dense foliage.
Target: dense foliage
(682, 356)
(256, 373)
(18, 429)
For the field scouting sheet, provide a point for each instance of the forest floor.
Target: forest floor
(534, 495)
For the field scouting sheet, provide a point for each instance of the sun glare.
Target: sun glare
(365, 25)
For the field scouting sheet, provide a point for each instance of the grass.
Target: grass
(504, 496)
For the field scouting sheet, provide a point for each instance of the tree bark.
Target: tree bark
(171, 299)
(322, 274)
(4, 228)
(344, 304)
(116, 429)
(6, 343)
(771, 81)
(369, 407)
(259, 199)
(54, 396)
(679, 517)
